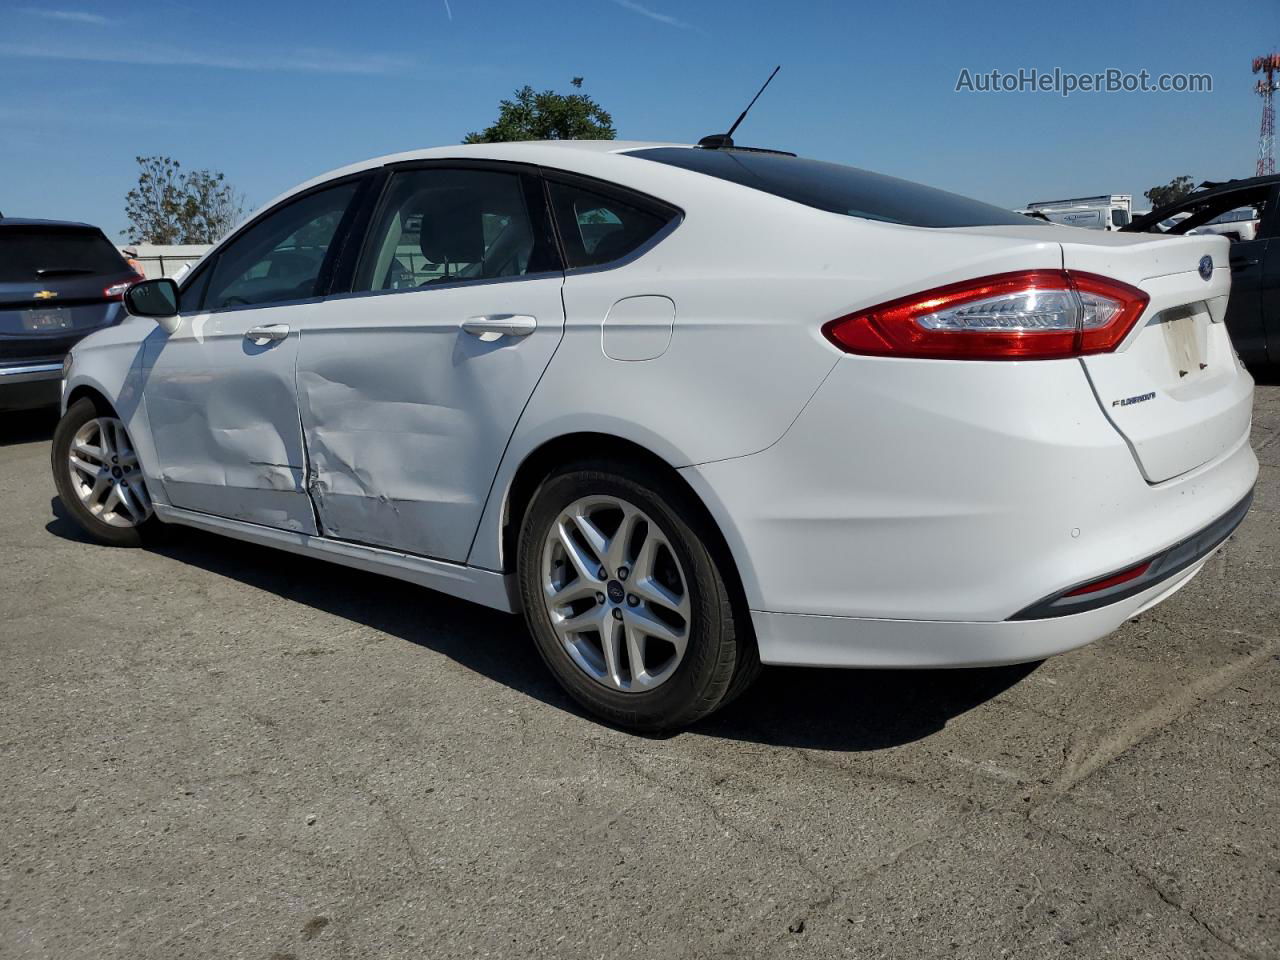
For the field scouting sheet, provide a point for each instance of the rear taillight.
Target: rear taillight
(116, 290)
(1028, 315)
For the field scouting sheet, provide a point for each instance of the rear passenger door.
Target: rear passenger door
(410, 385)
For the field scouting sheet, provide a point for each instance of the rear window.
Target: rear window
(597, 229)
(837, 188)
(37, 254)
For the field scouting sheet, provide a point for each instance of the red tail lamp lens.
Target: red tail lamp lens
(1027, 315)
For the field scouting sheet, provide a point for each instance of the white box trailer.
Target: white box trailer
(1110, 211)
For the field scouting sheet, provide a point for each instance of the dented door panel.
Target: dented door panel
(406, 415)
(224, 417)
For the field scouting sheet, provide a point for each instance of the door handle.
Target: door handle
(500, 325)
(261, 336)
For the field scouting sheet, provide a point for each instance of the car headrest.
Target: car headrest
(452, 226)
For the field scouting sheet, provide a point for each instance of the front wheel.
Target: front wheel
(625, 599)
(98, 477)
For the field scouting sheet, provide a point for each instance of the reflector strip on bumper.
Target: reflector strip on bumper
(1160, 567)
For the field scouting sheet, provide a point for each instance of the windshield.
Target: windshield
(39, 254)
(837, 188)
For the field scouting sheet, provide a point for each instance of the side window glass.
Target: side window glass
(597, 229)
(438, 225)
(1238, 225)
(280, 257)
(1234, 215)
(192, 295)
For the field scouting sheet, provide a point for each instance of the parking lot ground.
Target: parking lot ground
(214, 750)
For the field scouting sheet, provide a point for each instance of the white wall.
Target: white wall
(164, 261)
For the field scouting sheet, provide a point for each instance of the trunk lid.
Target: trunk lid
(1174, 389)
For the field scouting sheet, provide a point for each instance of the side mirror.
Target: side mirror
(157, 299)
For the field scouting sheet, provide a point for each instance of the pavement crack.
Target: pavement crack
(1192, 915)
(1151, 884)
(1079, 766)
(393, 819)
(831, 889)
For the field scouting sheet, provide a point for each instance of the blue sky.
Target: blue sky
(273, 92)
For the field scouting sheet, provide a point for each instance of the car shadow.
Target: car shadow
(856, 710)
(839, 710)
(27, 426)
(486, 641)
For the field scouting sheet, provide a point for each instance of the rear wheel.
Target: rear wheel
(625, 599)
(98, 477)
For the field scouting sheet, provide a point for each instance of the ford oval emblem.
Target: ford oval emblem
(1206, 268)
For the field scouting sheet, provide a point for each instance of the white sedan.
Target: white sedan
(689, 409)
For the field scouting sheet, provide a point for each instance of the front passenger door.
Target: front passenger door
(410, 387)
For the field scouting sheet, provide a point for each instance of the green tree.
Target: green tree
(548, 116)
(170, 205)
(1171, 192)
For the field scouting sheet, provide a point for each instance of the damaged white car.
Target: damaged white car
(687, 408)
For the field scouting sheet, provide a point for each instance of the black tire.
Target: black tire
(717, 658)
(746, 672)
(77, 415)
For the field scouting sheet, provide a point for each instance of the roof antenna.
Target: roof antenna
(722, 141)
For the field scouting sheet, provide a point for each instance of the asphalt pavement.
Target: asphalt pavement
(216, 750)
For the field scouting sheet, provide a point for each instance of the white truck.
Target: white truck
(1110, 211)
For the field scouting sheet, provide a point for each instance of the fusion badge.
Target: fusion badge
(1130, 401)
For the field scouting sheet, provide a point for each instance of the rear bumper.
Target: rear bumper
(28, 386)
(1161, 568)
(813, 641)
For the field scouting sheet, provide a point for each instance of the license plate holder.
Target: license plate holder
(1185, 337)
(46, 321)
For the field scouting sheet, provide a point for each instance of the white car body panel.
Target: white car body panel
(879, 511)
(936, 508)
(405, 433)
(804, 640)
(223, 413)
(468, 583)
(110, 364)
(737, 371)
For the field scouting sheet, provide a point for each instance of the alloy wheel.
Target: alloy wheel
(616, 594)
(105, 474)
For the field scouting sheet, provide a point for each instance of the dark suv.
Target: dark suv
(1246, 212)
(58, 283)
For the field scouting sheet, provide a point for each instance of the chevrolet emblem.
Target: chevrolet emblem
(45, 294)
